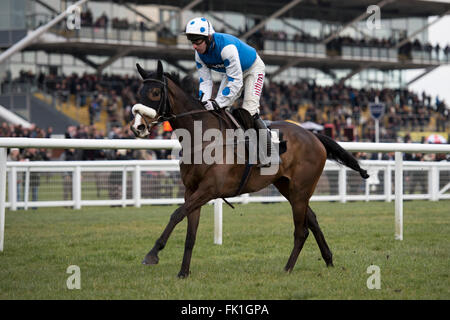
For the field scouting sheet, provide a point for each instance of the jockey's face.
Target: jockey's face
(199, 46)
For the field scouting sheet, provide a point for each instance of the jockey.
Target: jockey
(241, 65)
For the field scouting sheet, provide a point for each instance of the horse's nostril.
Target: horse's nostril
(141, 127)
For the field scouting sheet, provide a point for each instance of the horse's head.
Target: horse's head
(152, 98)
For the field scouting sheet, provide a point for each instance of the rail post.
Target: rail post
(13, 188)
(124, 186)
(218, 221)
(433, 183)
(342, 184)
(77, 187)
(2, 195)
(388, 183)
(398, 195)
(137, 186)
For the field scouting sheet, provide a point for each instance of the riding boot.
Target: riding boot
(269, 149)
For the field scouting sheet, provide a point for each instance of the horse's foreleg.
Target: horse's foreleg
(313, 225)
(175, 218)
(191, 234)
(193, 207)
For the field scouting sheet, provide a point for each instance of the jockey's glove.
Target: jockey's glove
(211, 104)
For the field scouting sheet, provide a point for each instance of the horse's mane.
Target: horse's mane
(187, 85)
(174, 76)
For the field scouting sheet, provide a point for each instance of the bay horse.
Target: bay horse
(162, 99)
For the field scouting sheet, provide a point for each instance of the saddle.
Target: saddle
(242, 119)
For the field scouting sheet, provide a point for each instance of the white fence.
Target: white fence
(152, 182)
(340, 184)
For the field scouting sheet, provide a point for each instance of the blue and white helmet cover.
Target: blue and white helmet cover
(200, 26)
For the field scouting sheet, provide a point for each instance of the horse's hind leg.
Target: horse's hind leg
(283, 186)
(299, 206)
(313, 225)
(299, 209)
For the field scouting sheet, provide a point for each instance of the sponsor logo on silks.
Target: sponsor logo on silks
(259, 84)
(216, 66)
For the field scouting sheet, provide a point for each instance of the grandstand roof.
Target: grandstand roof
(322, 10)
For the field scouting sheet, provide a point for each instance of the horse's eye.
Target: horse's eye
(155, 94)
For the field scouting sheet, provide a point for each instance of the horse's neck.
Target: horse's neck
(182, 103)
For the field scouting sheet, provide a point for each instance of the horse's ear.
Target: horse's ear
(159, 71)
(141, 71)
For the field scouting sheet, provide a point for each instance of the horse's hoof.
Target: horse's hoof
(149, 260)
(330, 264)
(288, 270)
(183, 275)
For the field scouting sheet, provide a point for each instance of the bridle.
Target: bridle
(164, 104)
(164, 108)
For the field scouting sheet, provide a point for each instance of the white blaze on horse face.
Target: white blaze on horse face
(137, 122)
(138, 110)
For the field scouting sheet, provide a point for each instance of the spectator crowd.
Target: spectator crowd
(343, 108)
(337, 105)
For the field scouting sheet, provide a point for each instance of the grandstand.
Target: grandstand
(68, 73)
(324, 63)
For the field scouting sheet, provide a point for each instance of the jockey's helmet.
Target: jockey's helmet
(198, 28)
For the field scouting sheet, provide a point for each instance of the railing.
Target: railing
(295, 48)
(369, 53)
(153, 182)
(423, 56)
(110, 34)
(435, 192)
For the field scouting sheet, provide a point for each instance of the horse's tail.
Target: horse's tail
(337, 153)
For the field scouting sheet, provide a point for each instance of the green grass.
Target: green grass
(108, 245)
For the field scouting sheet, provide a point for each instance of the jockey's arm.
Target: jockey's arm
(204, 78)
(233, 69)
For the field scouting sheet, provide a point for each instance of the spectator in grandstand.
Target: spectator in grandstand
(68, 155)
(49, 132)
(120, 23)
(442, 116)
(86, 18)
(112, 108)
(32, 154)
(241, 65)
(14, 155)
(115, 177)
(417, 178)
(102, 21)
(94, 110)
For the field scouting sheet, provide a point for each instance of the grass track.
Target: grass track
(108, 245)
